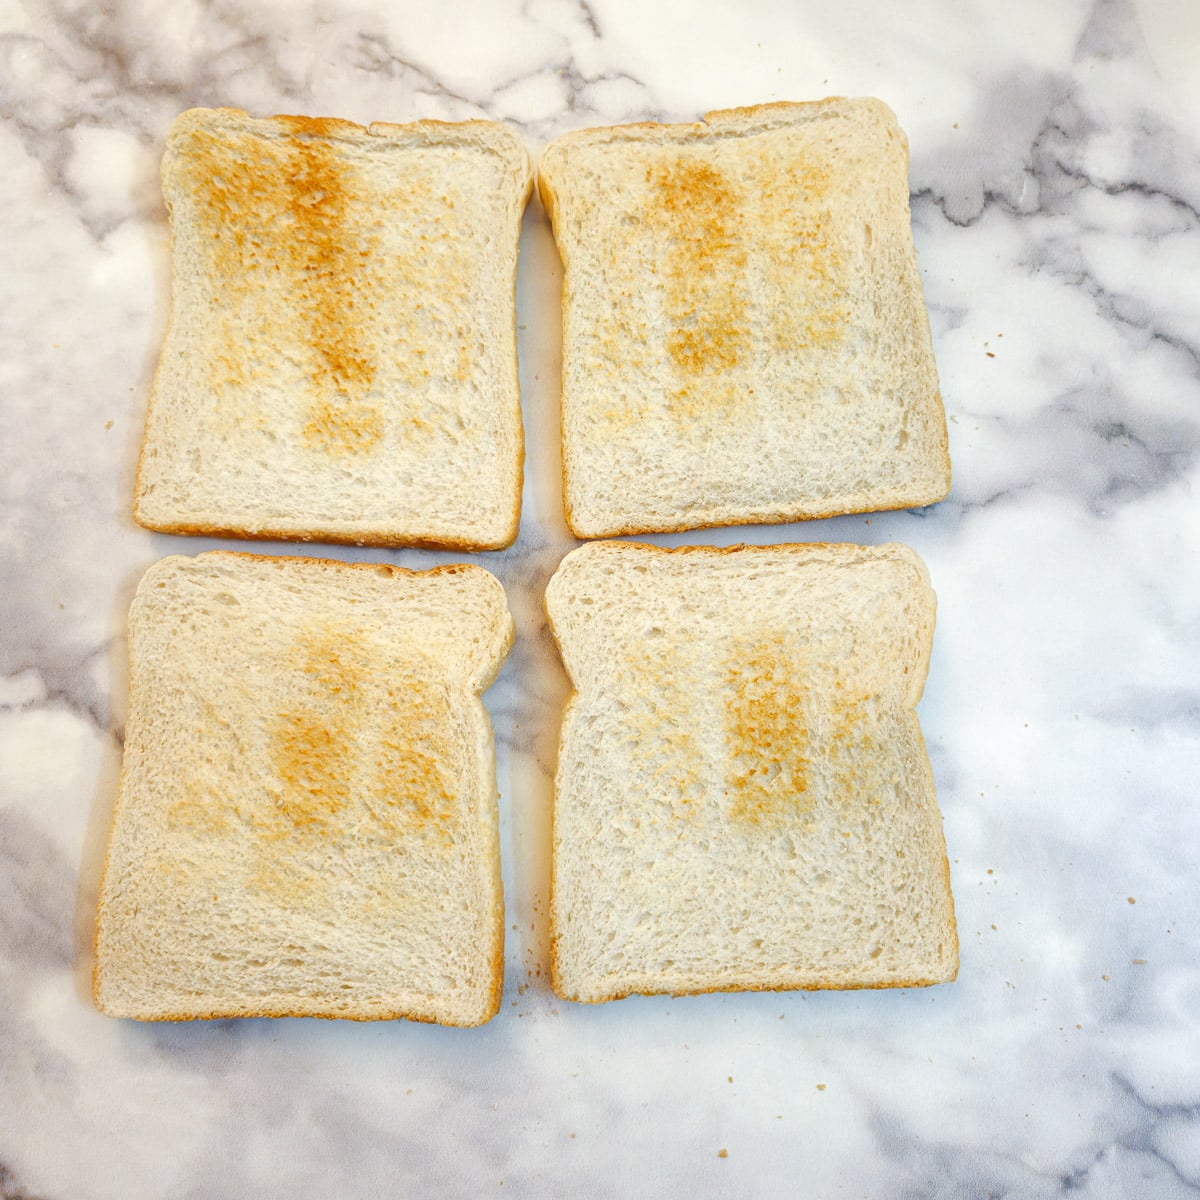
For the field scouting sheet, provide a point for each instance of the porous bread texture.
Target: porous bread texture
(745, 338)
(306, 822)
(340, 361)
(743, 799)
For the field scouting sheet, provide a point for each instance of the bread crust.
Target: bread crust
(720, 122)
(586, 532)
(345, 537)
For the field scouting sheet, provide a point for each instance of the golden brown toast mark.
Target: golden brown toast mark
(696, 211)
(343, 426)
(851, 719)
(795, 741)
(803, 257)
(662, 725)
(330, 255)
(198, 811)
(334, 256)
(314, 763)
(413, 787)
(312, 743)
(851, 744)
(322, 747)
(768, 716)
(344, 780)
(278, 209)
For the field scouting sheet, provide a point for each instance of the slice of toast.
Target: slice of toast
(340, 361)
(306, 822)
(743, 797)
(745, 339)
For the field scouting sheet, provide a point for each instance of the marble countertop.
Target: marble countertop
(1055, 183)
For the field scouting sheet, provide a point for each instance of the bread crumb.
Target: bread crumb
(820, 1087)
(722, 1153)
(730, 1078)
(1132, 900)
(108, 424)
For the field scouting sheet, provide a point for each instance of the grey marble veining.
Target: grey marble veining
(1055, 182)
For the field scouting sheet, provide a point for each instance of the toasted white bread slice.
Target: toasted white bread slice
(340, 361)
(306, 822)
(743, 798)
(745, 338)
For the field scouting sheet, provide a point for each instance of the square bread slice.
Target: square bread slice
(745, 338)
(340, 361)
(306, 822)
(743, 798)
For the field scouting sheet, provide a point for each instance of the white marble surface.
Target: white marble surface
(1056, 204)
